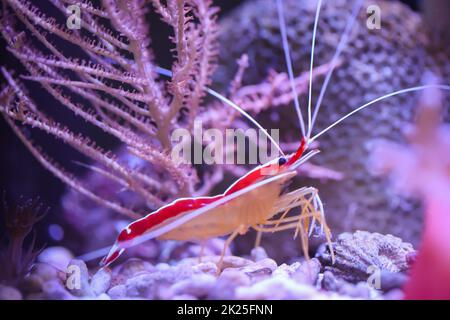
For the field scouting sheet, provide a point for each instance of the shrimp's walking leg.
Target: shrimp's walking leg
(325, 229)
(258, 239)
(202, 250)
(241, 229)
(311, 208)
(277, 222)
(287, 226)
(304, 238)
(297, 225)
(283, 216)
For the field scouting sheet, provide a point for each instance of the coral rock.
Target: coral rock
(59, 257)
(157, 285)
(228, 261)
(54, 290)
(118, 292)
(134, 267)
(286, 270)
(78, 279)
(276, 288)
(258, 253)
(197, 286)
(307, 272)
(360, 254)
(207, 268)
(227, 283)
(44, 271)
(101, 281)
(9, 293)
(260, 269)
(360, 290)
(142, 286)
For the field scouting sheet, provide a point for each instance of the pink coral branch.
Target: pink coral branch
(422, 170)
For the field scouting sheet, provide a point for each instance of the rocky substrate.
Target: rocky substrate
(365, 266)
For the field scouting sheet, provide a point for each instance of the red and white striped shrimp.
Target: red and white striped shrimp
(254, 200)
(240, 207)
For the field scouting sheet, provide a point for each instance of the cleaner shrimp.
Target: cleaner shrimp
(256, 200)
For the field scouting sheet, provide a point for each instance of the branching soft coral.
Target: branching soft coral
(116, 81)
(19, 220)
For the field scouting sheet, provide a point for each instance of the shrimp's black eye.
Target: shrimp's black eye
(281, 161)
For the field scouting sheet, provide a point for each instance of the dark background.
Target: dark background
(22, 175)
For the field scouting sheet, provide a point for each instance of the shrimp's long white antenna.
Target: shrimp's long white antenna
(334, 60)
(305, 158)
(316, 21)
(287, 57)
(182, 220)
(412, 89)
(224, 99)
(245, 114)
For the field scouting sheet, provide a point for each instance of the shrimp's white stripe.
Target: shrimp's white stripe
(287, 57)
(334, 60)
(412, 89)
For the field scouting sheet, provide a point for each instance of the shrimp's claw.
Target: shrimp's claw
(112, 256)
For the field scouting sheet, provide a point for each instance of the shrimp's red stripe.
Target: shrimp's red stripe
(178, 207)
(301, 149)
(157, 217)
(247, 180)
